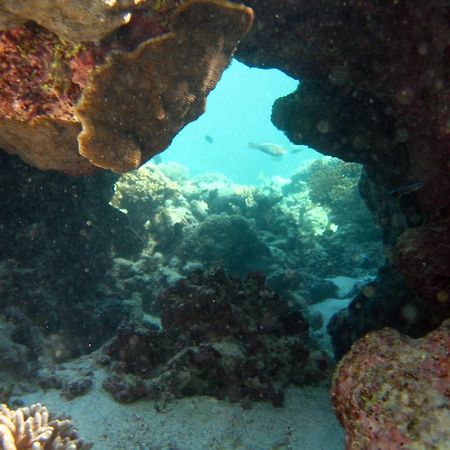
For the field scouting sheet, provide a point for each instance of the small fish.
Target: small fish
(209, 139)
(295, 150)
(157, 159)
(407, 189)
(268, 148)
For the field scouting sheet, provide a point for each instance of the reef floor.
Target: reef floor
(306, 421)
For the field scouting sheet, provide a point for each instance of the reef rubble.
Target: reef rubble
(220, 337)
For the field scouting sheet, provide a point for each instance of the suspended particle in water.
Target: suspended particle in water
(442, 296)
(369, 291)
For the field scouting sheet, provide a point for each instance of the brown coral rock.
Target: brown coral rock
(123, 111)
(83, 20)
(46, 144)
(138, 101)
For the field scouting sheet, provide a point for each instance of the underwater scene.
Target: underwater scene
(224, 225)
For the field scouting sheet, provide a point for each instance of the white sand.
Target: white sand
(306, 422)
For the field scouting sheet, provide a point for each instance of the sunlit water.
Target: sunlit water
(238, 112)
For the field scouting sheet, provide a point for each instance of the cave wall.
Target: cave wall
(374, 89)
(58, 237)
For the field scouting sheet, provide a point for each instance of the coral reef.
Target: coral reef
(108, 263)
(33, 428)
(330, 179)
(230, 240)
(373, 90)
(391, 391)
(220, 336)
(188, 223)
(114, 105)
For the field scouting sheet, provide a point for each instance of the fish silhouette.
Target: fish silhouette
(407, 189)
(295, 150)
(268, 148)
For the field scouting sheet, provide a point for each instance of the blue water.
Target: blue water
(238, 112)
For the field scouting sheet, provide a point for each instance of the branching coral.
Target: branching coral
(32, 428)
(330, 179)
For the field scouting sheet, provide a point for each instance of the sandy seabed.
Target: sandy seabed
(306, 422)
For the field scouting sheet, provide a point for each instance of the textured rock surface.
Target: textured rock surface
(126, 117)
(386, 301)
(119, 102)
(392, 392)
(220, 337)
(57, 237)
(423, 258)
(85, 20)
(374, 90)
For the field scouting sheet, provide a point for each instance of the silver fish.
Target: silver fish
(268, 148)
(407, 189)
(295, 150)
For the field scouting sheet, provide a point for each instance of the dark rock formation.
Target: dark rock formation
(58, 236)
(386, 301)
(222, 337)
(374, 90)
(228, 240)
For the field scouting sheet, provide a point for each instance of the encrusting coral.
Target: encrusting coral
(180, 68)
(393, 392)
(119, 102)
(83, 20)
(32, 428)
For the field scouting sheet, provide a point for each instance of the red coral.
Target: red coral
(28, 88)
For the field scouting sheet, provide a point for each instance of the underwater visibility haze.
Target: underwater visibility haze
(268, 272)
(238, 114)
